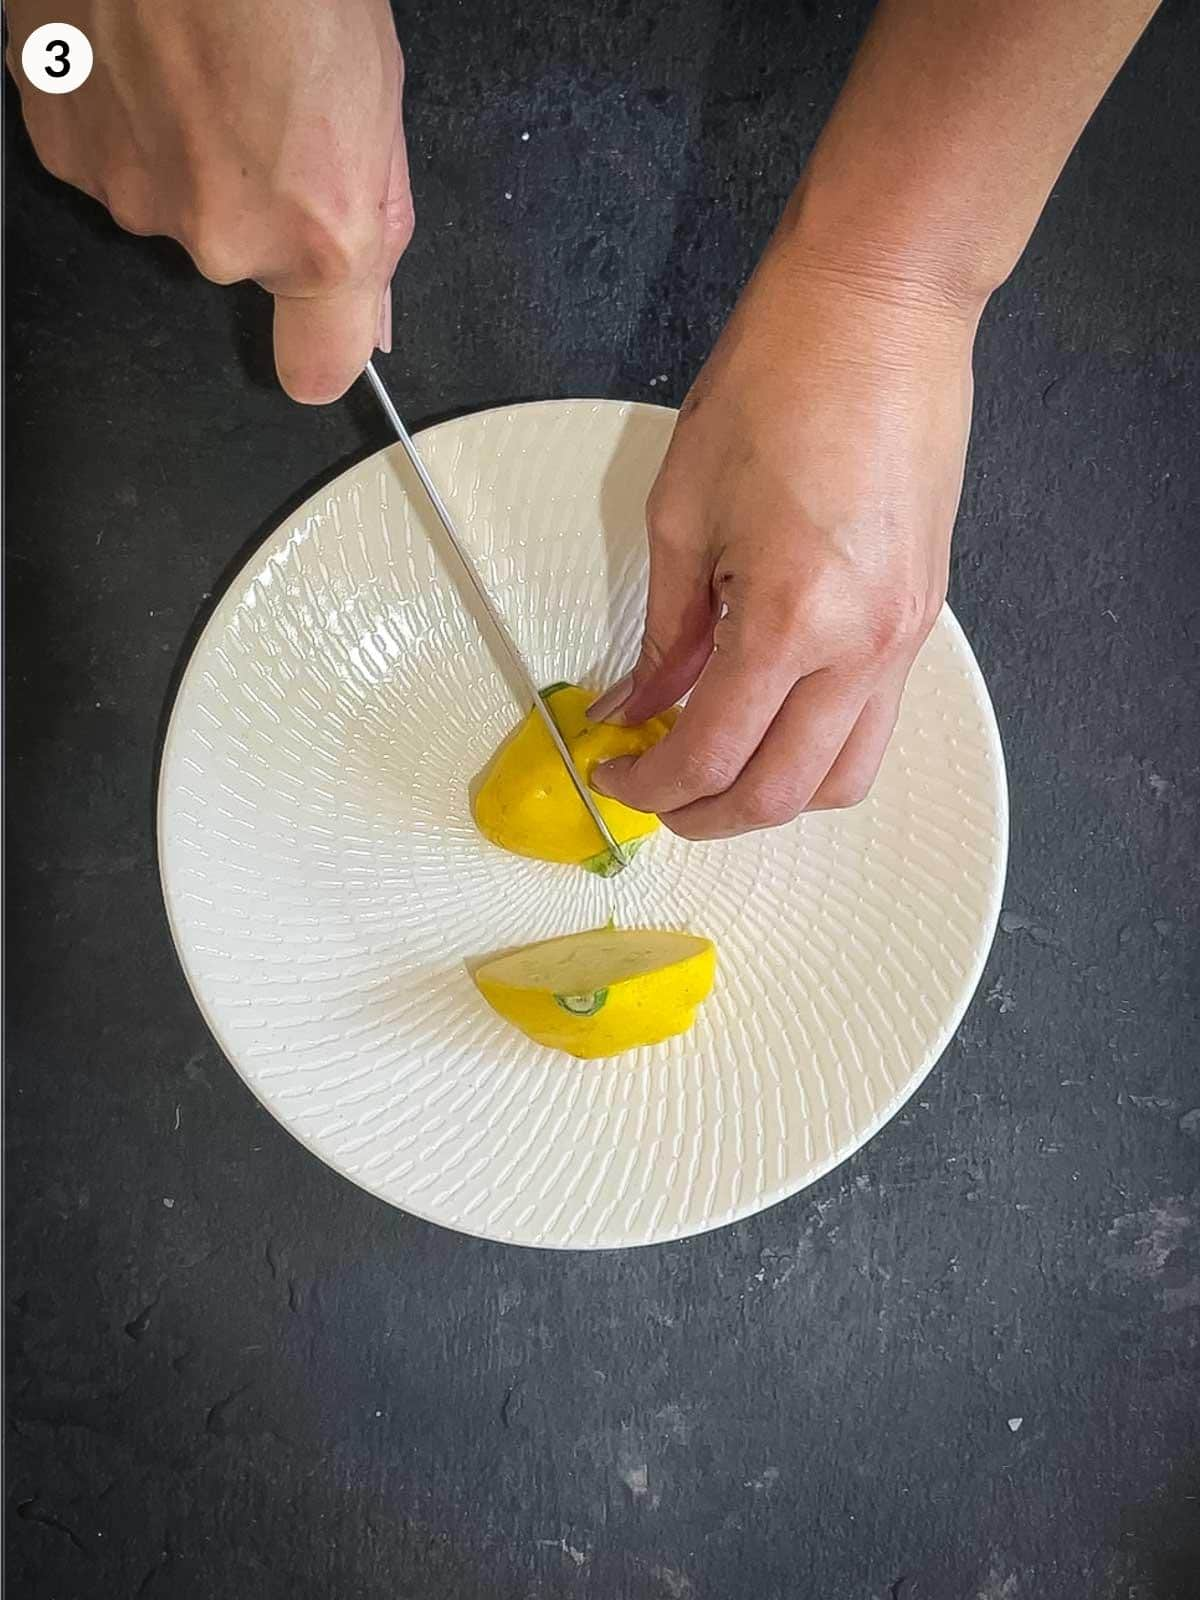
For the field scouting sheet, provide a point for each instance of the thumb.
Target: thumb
(323, 343)
(676, 643)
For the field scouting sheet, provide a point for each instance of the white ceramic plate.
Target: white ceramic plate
(326, 886)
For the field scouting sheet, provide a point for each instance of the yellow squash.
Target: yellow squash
(598, 994)
(527, 804)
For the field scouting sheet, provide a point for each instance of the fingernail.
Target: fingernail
(600, 776)
(606, 708)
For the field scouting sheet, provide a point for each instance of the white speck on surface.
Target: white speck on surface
(1158, 784)
(662, 377)
(632, 1458)
(176, 1128)
(677, 1584)
(1014, 1424)
(1141, 1242)
(508, 194)
(524, 138)
(579, 1557)
(1002, 997)
(379, 1413)
(675, 1422)
(1014, 922)
(998, 1586)
(168, 1202)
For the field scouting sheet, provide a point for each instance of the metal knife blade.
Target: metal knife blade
(523, 675)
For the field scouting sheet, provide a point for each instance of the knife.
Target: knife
(523, 675)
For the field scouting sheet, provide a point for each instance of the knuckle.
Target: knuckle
(56, 160)
(784, 620)
(898, 621)
(843, 793)
(59, 155)
(667, 527)
(401, 222)
(131, 219)
(750, 642)
(804, 619)
(651, 656)
(671, 511)
(128, 221)
(338, 252)
(788, 605)
(128, 198)
(766, 806)
(217, 254)
(700, 774)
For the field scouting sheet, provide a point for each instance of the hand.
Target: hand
(266, 137)
(799, 540)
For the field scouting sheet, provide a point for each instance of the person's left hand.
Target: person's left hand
(799, 540)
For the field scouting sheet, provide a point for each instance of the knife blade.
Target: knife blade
(516, 662)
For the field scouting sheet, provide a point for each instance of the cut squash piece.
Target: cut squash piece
(602, 993)
(526, 802)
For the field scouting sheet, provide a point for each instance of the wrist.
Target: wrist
(891, 249)
(849, 310)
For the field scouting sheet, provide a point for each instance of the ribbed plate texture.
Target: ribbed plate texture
(326, 887)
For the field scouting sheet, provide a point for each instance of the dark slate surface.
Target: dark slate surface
(233, 1374)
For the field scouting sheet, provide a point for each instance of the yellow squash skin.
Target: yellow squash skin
(601, 993)
(526, 803)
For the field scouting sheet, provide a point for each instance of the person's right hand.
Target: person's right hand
(265, 135)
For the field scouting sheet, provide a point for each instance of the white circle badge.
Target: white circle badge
(57, 57)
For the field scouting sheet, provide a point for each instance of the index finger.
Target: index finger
(734, 703)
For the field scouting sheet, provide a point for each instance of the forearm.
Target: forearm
(956, 119)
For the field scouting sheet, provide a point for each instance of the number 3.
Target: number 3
(63, 58)
(57, 58)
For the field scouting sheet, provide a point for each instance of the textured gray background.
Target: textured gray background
(233, 1374)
